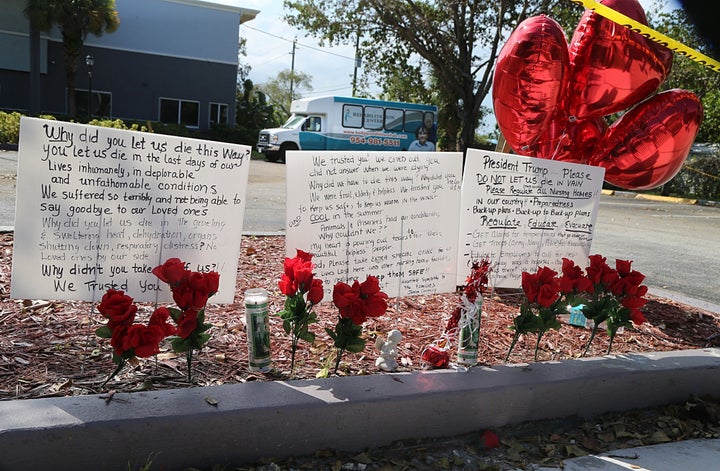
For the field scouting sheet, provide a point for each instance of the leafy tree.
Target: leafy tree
(243, 67)
(75, 19)
(459, 42)
(690, 75)
(253, 112)
(289, 85)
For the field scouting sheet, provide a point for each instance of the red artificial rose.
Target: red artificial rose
(623, 266)
(287, 286)
(636, 316)
(183, 296)
(303, 256)
(187, 323)
(298, 274)
(360, 301)
(212, 280)
(160, 318)
(573, 279)
(118, 339)
(547, 295)
(375, 300)
(541, 287)
(489, 439)
(315, 293)
(597, 268)
(199, 288)
(171, 272)
(118, 308)
(143, 339)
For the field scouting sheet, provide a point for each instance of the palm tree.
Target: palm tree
(75, 19)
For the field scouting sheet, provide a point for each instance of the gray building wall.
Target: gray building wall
(153, 54)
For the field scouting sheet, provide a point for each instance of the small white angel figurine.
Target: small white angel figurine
(387, 361)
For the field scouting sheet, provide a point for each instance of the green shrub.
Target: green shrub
(118, 124)
(699, 178)
(10, 126)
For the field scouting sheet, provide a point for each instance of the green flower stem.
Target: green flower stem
(537, 343)
(612, 337)
(188, 355)
(340, 352)
(119, 367)
(592, 336)
(512, 345)
(295, 340)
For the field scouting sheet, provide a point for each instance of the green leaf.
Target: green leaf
(307, 336)
(355, 345)
(104, 332)
(175, 313)
(332, 334)
(179, 345)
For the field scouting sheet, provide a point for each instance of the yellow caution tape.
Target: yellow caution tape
(650, 33)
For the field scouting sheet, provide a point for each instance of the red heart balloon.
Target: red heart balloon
(611, 67)
(567, 140)
(648, 145)
(530, 77)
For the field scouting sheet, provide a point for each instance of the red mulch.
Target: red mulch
(48, 348)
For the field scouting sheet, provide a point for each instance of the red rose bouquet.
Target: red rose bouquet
(303, 291)
(604, 294)
(541, 307)
(190, 291)
(129, 339)
(355, 303)
(613, 296)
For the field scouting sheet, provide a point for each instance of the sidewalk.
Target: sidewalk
(243, 423)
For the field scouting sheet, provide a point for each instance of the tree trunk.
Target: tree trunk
(72, 55)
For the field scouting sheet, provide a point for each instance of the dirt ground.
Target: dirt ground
(49, 348)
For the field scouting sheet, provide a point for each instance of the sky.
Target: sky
(270, 44)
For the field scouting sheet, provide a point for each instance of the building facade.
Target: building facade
(172, 61)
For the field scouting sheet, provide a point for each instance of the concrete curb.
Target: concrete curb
(181, 428)
(665, 199)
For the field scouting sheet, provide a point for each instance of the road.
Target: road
(677, 246)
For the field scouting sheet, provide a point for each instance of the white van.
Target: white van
(345, 123)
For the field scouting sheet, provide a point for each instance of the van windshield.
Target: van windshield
(293, 121)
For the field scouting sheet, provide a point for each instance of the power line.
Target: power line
(300, 44)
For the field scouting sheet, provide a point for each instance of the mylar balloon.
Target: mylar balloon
(530, 76)
(568, 140)
(648, 145)
(611, 67)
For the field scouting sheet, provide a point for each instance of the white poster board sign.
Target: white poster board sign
(523, 213)
(98, 208)
(394, 215)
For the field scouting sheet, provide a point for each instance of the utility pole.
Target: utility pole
(358, 61)
(292, 71)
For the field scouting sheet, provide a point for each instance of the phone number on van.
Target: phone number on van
(375, 141)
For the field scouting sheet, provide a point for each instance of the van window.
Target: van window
(352, 116)
(373, 118)
(413, 119)
(394, 119)
(312, 124)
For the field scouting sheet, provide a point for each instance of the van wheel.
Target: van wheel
(286, 147)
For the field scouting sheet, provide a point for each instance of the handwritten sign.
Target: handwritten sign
(393, 215)
(523, 213)
(98, 208)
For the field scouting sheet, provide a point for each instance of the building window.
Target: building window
(218, 113)
(185, 112)
(100, 105)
